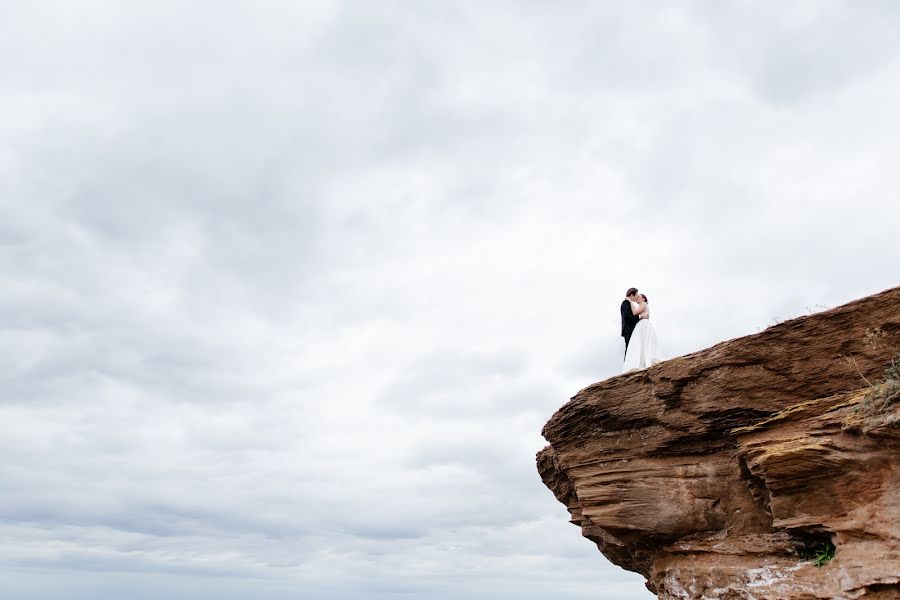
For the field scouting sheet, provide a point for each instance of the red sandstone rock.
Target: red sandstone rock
(715, 474)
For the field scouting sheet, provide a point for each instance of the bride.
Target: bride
(643, 349)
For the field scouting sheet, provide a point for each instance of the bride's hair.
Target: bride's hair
(645, 298)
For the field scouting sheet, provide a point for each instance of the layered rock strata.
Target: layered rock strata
(726, 473)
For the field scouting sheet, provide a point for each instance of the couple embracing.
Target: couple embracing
(641, 348)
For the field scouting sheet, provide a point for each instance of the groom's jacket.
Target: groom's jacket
(628, 320)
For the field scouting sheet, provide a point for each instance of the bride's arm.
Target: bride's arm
(636, 308)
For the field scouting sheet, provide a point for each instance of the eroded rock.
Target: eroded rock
(721, 474)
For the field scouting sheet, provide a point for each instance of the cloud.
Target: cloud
(289, 291)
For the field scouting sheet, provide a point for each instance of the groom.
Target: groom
(628, 320)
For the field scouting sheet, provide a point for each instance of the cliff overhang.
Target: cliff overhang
(727, 472)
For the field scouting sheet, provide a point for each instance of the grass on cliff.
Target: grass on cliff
(877, 406)
(824, 555)
(820, 551)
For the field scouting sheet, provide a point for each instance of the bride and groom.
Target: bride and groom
(641, 348)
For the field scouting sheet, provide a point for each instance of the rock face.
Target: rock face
(724, 473)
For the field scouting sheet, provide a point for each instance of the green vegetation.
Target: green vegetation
(820, 553)
(824, 555)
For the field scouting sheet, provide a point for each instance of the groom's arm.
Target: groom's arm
(629, 320)
(627, 315)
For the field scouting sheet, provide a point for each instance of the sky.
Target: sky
(290, 288)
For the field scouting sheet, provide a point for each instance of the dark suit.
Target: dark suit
(628, 322)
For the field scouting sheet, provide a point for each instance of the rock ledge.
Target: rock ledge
(721, 474)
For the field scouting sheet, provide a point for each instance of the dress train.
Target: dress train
(643, 349)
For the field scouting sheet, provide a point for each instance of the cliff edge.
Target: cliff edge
(765, 467)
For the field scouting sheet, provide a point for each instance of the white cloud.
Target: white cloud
(289, 291)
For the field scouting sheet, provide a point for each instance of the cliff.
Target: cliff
(728, 472)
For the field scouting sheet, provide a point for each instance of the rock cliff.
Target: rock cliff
(729, 473)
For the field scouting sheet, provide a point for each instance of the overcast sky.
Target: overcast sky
(290, 288)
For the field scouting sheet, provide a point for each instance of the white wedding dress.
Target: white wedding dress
(643, 349)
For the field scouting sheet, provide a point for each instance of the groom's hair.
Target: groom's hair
(631, 292)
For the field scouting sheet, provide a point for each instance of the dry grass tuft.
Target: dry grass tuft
(877, 408)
